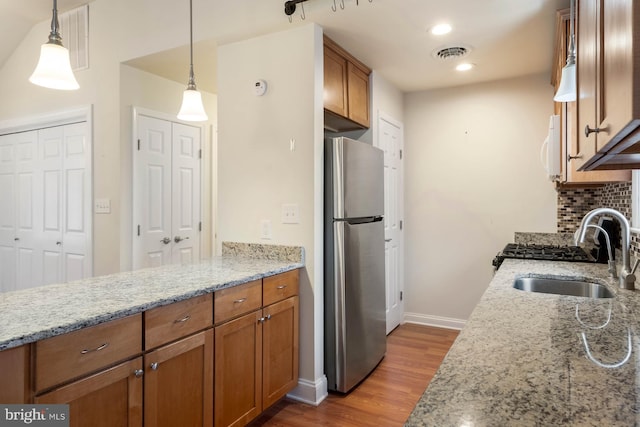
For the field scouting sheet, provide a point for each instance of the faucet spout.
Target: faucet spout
(627, 277)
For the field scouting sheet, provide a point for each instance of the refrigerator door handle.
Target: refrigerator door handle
(340, 309)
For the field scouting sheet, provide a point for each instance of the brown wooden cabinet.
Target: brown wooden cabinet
(15, 375)
(346, 89)
(178, 383)
(256, 354)
(570, 153)
(110, 398)
(608, 106)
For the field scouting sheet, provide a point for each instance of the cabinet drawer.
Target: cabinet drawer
(279, 287)
(173, 321)
(71, 355)
(232, 302)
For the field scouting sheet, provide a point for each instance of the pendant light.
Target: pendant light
(567, 90)
(54, 68)
(192, 109)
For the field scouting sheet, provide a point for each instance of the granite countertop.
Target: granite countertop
(33, 314)
(521, 359)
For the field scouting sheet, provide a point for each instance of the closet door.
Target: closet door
(185, 193)
(7, 213)
(166, 200)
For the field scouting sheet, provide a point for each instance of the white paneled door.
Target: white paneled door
(45, 230)
(166, 193)
(390, 141)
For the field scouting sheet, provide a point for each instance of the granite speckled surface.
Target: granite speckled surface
(33, 314)
(556, 239)
(521, 359)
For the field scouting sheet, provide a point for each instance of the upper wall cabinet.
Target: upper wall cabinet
(608, 131)
(570, 176)
(346, 89)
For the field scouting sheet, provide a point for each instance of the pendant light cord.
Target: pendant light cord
(192, 81)
(54, 36)
(571, 56)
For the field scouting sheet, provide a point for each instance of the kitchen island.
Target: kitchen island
(34, 314)
(536, 359)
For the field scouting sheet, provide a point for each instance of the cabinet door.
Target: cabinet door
(14, 375)
(616, 106)
(178, 385)
(111, 398)
(238, 370)
(358, 95)
(587, 79)
(280, 346)
(335, 82)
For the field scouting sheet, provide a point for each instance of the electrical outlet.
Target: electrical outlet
(290, 213)
(265, 229)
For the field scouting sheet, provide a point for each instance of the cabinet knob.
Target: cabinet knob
(154, 366)
(588, 131)
(570, 157)
(138, 373)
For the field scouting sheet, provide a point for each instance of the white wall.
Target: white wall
(473, 177)
(258, 173)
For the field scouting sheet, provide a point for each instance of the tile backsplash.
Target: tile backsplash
(574, 203)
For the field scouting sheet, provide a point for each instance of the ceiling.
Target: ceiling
(506, 38)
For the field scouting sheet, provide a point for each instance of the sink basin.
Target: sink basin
(576, 288)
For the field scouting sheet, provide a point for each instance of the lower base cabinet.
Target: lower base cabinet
(111, 398)
(178, 383)
(256, 362)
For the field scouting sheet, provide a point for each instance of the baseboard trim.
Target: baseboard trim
(437, 321)
(311, 392)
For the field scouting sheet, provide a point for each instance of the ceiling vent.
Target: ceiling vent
(451, 52)
(74, 30)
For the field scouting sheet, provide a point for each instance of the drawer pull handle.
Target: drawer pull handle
(102, 347)
(138, 373)
(281, 287)
(184, 319)
(240, 301)
(154, 366)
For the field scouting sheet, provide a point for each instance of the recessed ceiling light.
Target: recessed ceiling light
(465, 66)
(441, 29)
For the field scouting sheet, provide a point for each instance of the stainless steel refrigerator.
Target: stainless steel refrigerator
(354, 289)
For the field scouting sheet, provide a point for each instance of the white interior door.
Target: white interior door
(45, 234)
(390, 141)
(167, 193)
(185, 202)
(152, 199)
(7, 213)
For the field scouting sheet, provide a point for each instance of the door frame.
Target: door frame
(83, 113)
(383, 116)
(141, 111)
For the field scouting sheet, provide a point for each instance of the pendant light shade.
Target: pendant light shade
(54, 68)
(567, 90)
(192, 109)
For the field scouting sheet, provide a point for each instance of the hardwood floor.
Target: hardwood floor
(384, 398)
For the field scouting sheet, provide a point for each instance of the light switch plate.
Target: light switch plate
(290, 213)
(102, 206)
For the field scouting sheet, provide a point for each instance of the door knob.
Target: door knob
(166, 240)
(179, 239)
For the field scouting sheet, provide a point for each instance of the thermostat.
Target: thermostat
(260, 87)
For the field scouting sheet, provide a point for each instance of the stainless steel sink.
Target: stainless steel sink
(571, 287)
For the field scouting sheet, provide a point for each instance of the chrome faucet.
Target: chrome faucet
(627, 277)
(612, 262)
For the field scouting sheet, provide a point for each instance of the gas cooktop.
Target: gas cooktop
(542, 252)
